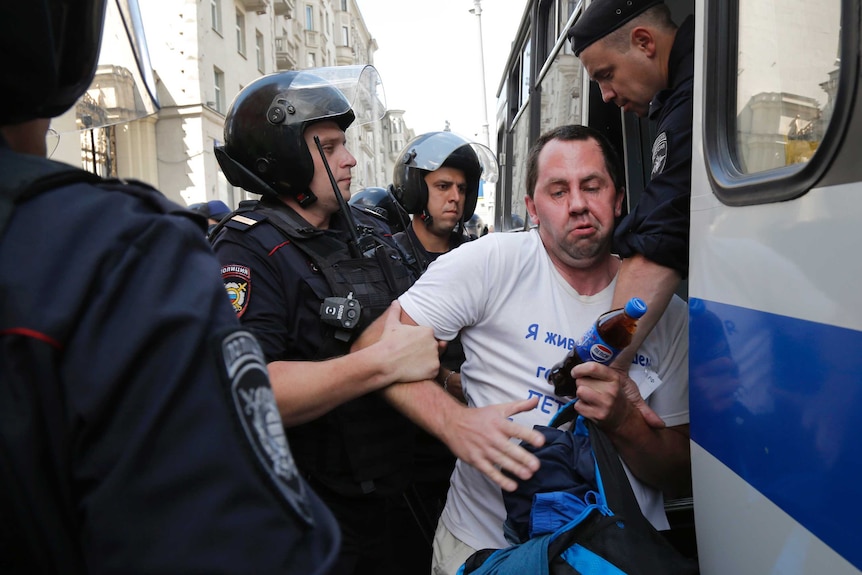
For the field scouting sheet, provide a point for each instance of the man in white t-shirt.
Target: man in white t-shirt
(537, 292)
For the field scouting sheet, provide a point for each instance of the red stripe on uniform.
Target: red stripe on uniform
(32, 334)
(278, 247)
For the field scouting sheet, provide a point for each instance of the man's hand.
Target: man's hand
(481, 437)
(607, 397)
(412, 352)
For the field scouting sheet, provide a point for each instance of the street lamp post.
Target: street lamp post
(478, 12)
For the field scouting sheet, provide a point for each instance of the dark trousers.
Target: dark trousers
(415, 515)
(366, 533)
(414, 521)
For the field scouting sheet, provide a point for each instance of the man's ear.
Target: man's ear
(618, 207)
(643, 40)
(531, 209)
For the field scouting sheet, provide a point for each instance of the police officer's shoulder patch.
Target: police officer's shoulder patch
(237, 283)
(255, 408)
(659, 153)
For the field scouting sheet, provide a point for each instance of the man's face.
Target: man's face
(447, 193)
(340, 161)
(628, 79)
(574, 202)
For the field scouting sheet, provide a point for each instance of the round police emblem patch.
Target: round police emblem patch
(258, 415)
(659, 153)
(237, 283)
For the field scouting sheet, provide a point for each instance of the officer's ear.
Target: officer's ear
(642, 39)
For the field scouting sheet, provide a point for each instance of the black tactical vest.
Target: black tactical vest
(363, 446)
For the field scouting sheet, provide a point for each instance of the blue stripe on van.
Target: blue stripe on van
(779, 401)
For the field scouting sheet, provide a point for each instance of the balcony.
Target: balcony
(285, 53)
(312, 38)
(284, 8)
(344, 56)
(258, 6)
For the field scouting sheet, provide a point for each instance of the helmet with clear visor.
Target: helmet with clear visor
(429, 152)
(264, 147)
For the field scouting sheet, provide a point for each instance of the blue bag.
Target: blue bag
(560, 521)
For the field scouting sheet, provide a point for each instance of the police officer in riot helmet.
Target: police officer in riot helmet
(518, 224)
(437, 177)
(306, 272)
(380, 203)
(473, 226)
(135, 421)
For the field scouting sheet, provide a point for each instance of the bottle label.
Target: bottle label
(591, 347)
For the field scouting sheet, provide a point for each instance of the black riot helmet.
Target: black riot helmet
(264, 148)
(380, 203)
(473, 226)
(434, 150)
(50, 51)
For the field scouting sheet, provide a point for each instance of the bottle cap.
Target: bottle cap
(635, 307)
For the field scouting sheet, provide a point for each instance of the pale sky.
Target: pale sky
(429, 60)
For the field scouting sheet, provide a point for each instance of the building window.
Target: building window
(345, 36)
(215, 13)
(309, 17)
(218, 87)
(258, 47)
(240, 32)
(524, 92)
(344, 5)
(785, 87)
(311, 60)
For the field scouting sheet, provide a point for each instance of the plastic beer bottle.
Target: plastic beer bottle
(611, 333)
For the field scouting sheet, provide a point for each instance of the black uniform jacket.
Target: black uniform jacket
(658, 226)
(138, 432)
(360, 447)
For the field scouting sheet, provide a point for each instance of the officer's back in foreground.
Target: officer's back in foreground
(136, 416)
(306, 272)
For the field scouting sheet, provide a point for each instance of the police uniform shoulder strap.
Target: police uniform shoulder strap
(25, 176)
(322, 248)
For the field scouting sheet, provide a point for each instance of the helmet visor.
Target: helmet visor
(361, 86)
(432, 152)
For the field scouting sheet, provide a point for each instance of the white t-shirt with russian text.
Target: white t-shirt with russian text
(520, 317)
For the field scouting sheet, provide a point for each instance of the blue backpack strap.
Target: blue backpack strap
(611, 478)
(564, 415)
(613, 481)
(529, 558)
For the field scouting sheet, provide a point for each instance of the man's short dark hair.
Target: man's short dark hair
(603, 17)
(571, 132)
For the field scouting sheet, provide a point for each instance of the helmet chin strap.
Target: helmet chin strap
(460, 227)
(426, 217)
(305, 198)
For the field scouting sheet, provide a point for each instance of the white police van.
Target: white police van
(774, 285)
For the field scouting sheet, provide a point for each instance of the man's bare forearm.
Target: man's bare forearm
(658, 457)
(653, 283)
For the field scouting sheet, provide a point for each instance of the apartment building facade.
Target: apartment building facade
(203, 52)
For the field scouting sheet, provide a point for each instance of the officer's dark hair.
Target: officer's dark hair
(61, 40)
(572, 132)
(658, 17)
(603, 17)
